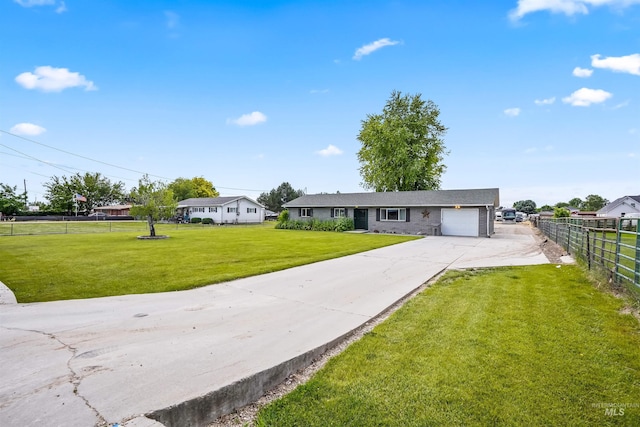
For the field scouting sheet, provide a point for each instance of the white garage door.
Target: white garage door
(460, 222)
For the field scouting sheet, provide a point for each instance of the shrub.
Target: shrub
(195, 220)
(283, 216)
(345, 224)
(207, 220)
(342, 224)
(561, 213)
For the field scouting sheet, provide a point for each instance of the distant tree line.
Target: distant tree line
(84, 192)
(591, 203)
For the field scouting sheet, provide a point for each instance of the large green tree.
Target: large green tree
(526, 206)
(11, 202)
(593, 202)
(196, 187)
(402, 148)
(274, 199)
(96, 189)
(576, 202)
(154, 201)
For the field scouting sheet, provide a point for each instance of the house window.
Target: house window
(306, 212)
(252, 210)
(215, 209)
(393, 214)
(231, 210)
(194, 210)
(339, 212)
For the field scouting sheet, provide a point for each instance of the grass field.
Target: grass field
(70, 266)
(522, 346)
(69, 227)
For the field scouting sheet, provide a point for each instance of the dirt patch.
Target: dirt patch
(550, 249)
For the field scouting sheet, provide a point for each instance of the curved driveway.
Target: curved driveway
(110, 360)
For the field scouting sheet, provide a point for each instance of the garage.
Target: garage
(460, 222)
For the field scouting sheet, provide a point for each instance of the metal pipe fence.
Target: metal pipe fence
(609, 246)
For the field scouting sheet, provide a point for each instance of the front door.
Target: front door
(361, 219)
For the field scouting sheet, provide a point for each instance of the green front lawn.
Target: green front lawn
(69, 266)
(521, 346)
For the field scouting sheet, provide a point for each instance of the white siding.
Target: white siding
(220, 214)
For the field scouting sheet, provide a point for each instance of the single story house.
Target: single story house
(115, 210)
(445, 212)
(222, 210)
(621, 207)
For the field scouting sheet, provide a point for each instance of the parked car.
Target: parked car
(98, 215)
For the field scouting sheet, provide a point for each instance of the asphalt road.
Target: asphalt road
(112, 360)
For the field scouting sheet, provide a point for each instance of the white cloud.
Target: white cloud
(547, 101)
(585, 97)
(568, 7)
(331, 150)
(532, 150)
(582, 72)
(50, 79)
(372, 47)
(27, 129)
(62, 7)
(619, 64)
(173, 19)
(314, 91)
(512, 112)
(250, 119)
(621, 105)
(31, 3)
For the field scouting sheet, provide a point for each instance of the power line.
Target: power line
(94, 160)
(78, 155)
(34, 158)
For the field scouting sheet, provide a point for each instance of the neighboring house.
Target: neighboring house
(621, 207)
(270, 215)
(115, 210)
(446, 212)
(223, 210)
(572, 210)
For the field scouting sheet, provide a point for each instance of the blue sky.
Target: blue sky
(541, 97)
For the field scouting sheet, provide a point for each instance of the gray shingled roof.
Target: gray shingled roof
(611, 205)
(473, 197)
(209, 201)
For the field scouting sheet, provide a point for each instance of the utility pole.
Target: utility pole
(25, 195)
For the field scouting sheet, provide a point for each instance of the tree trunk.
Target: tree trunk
(152, 228)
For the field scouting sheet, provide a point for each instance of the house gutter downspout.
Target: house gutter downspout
(488, 219)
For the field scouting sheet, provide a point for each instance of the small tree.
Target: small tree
(153, 201)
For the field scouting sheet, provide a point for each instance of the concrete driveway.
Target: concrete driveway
(185, 358)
